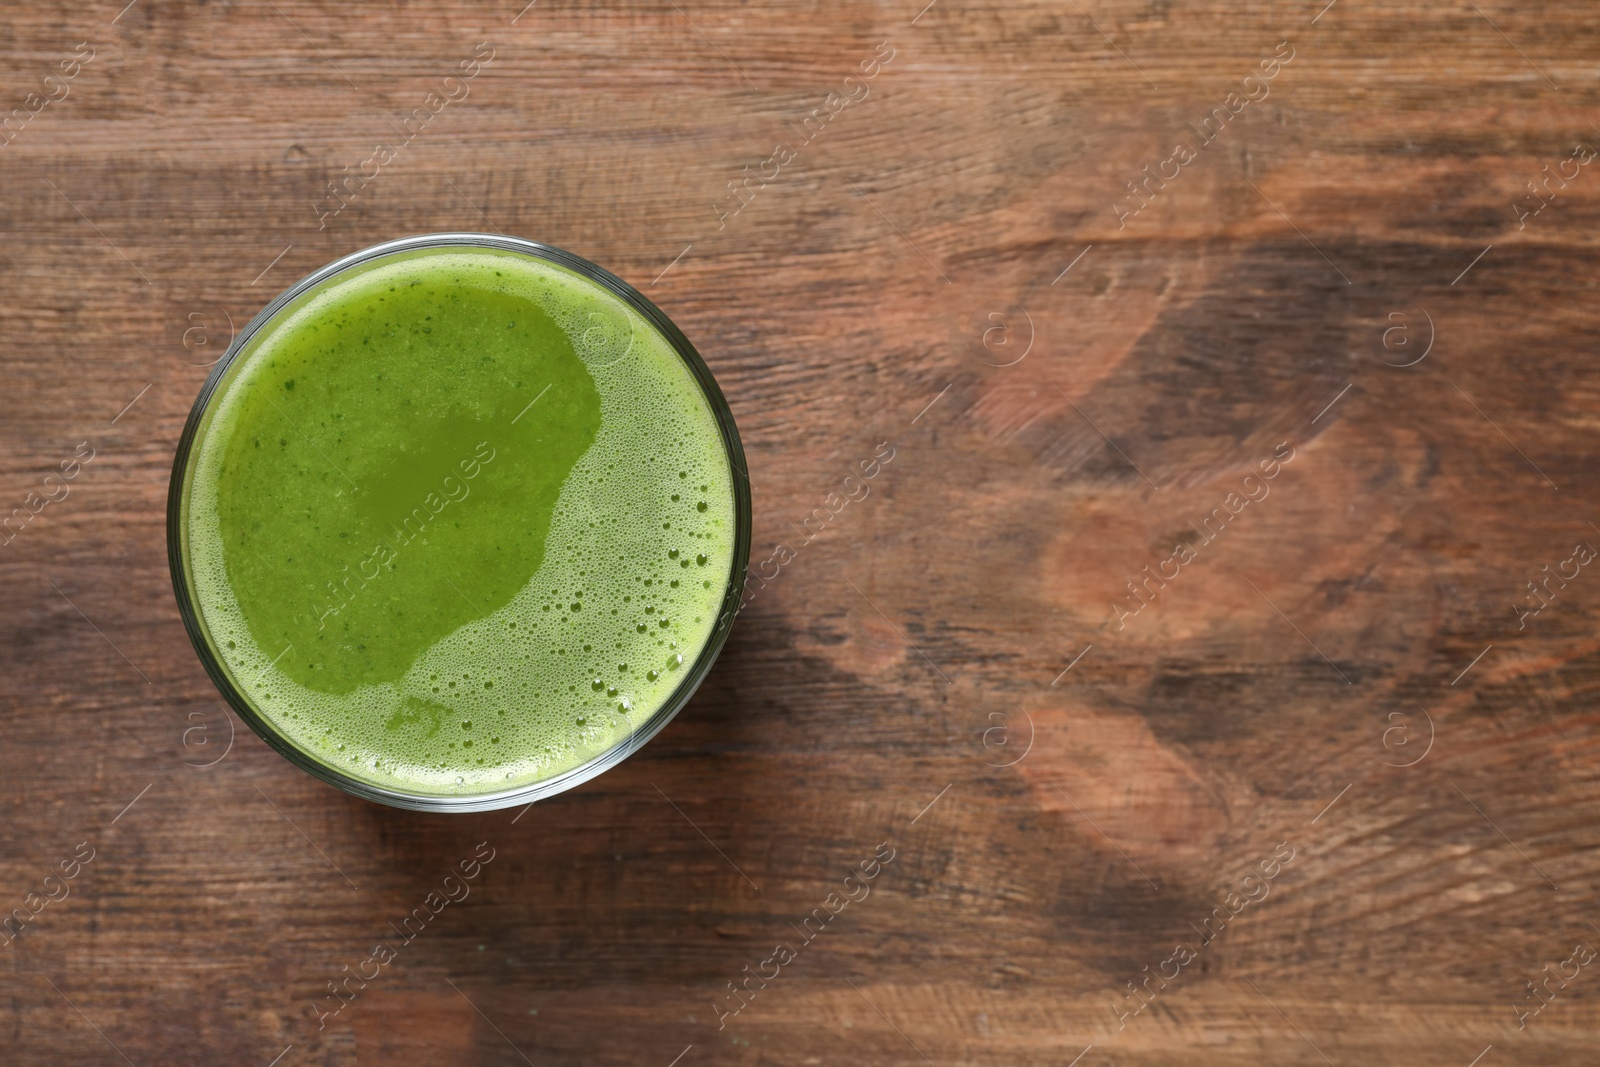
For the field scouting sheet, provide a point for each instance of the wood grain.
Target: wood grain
(1069, 392)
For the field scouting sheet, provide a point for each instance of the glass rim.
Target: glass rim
(194, 625)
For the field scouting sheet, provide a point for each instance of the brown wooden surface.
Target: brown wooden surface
(912, 650)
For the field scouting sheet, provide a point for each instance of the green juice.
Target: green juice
(458, 520)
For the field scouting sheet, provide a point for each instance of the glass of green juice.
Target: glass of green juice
(458, 522)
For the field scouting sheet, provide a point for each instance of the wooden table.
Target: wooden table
(1177, 762)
